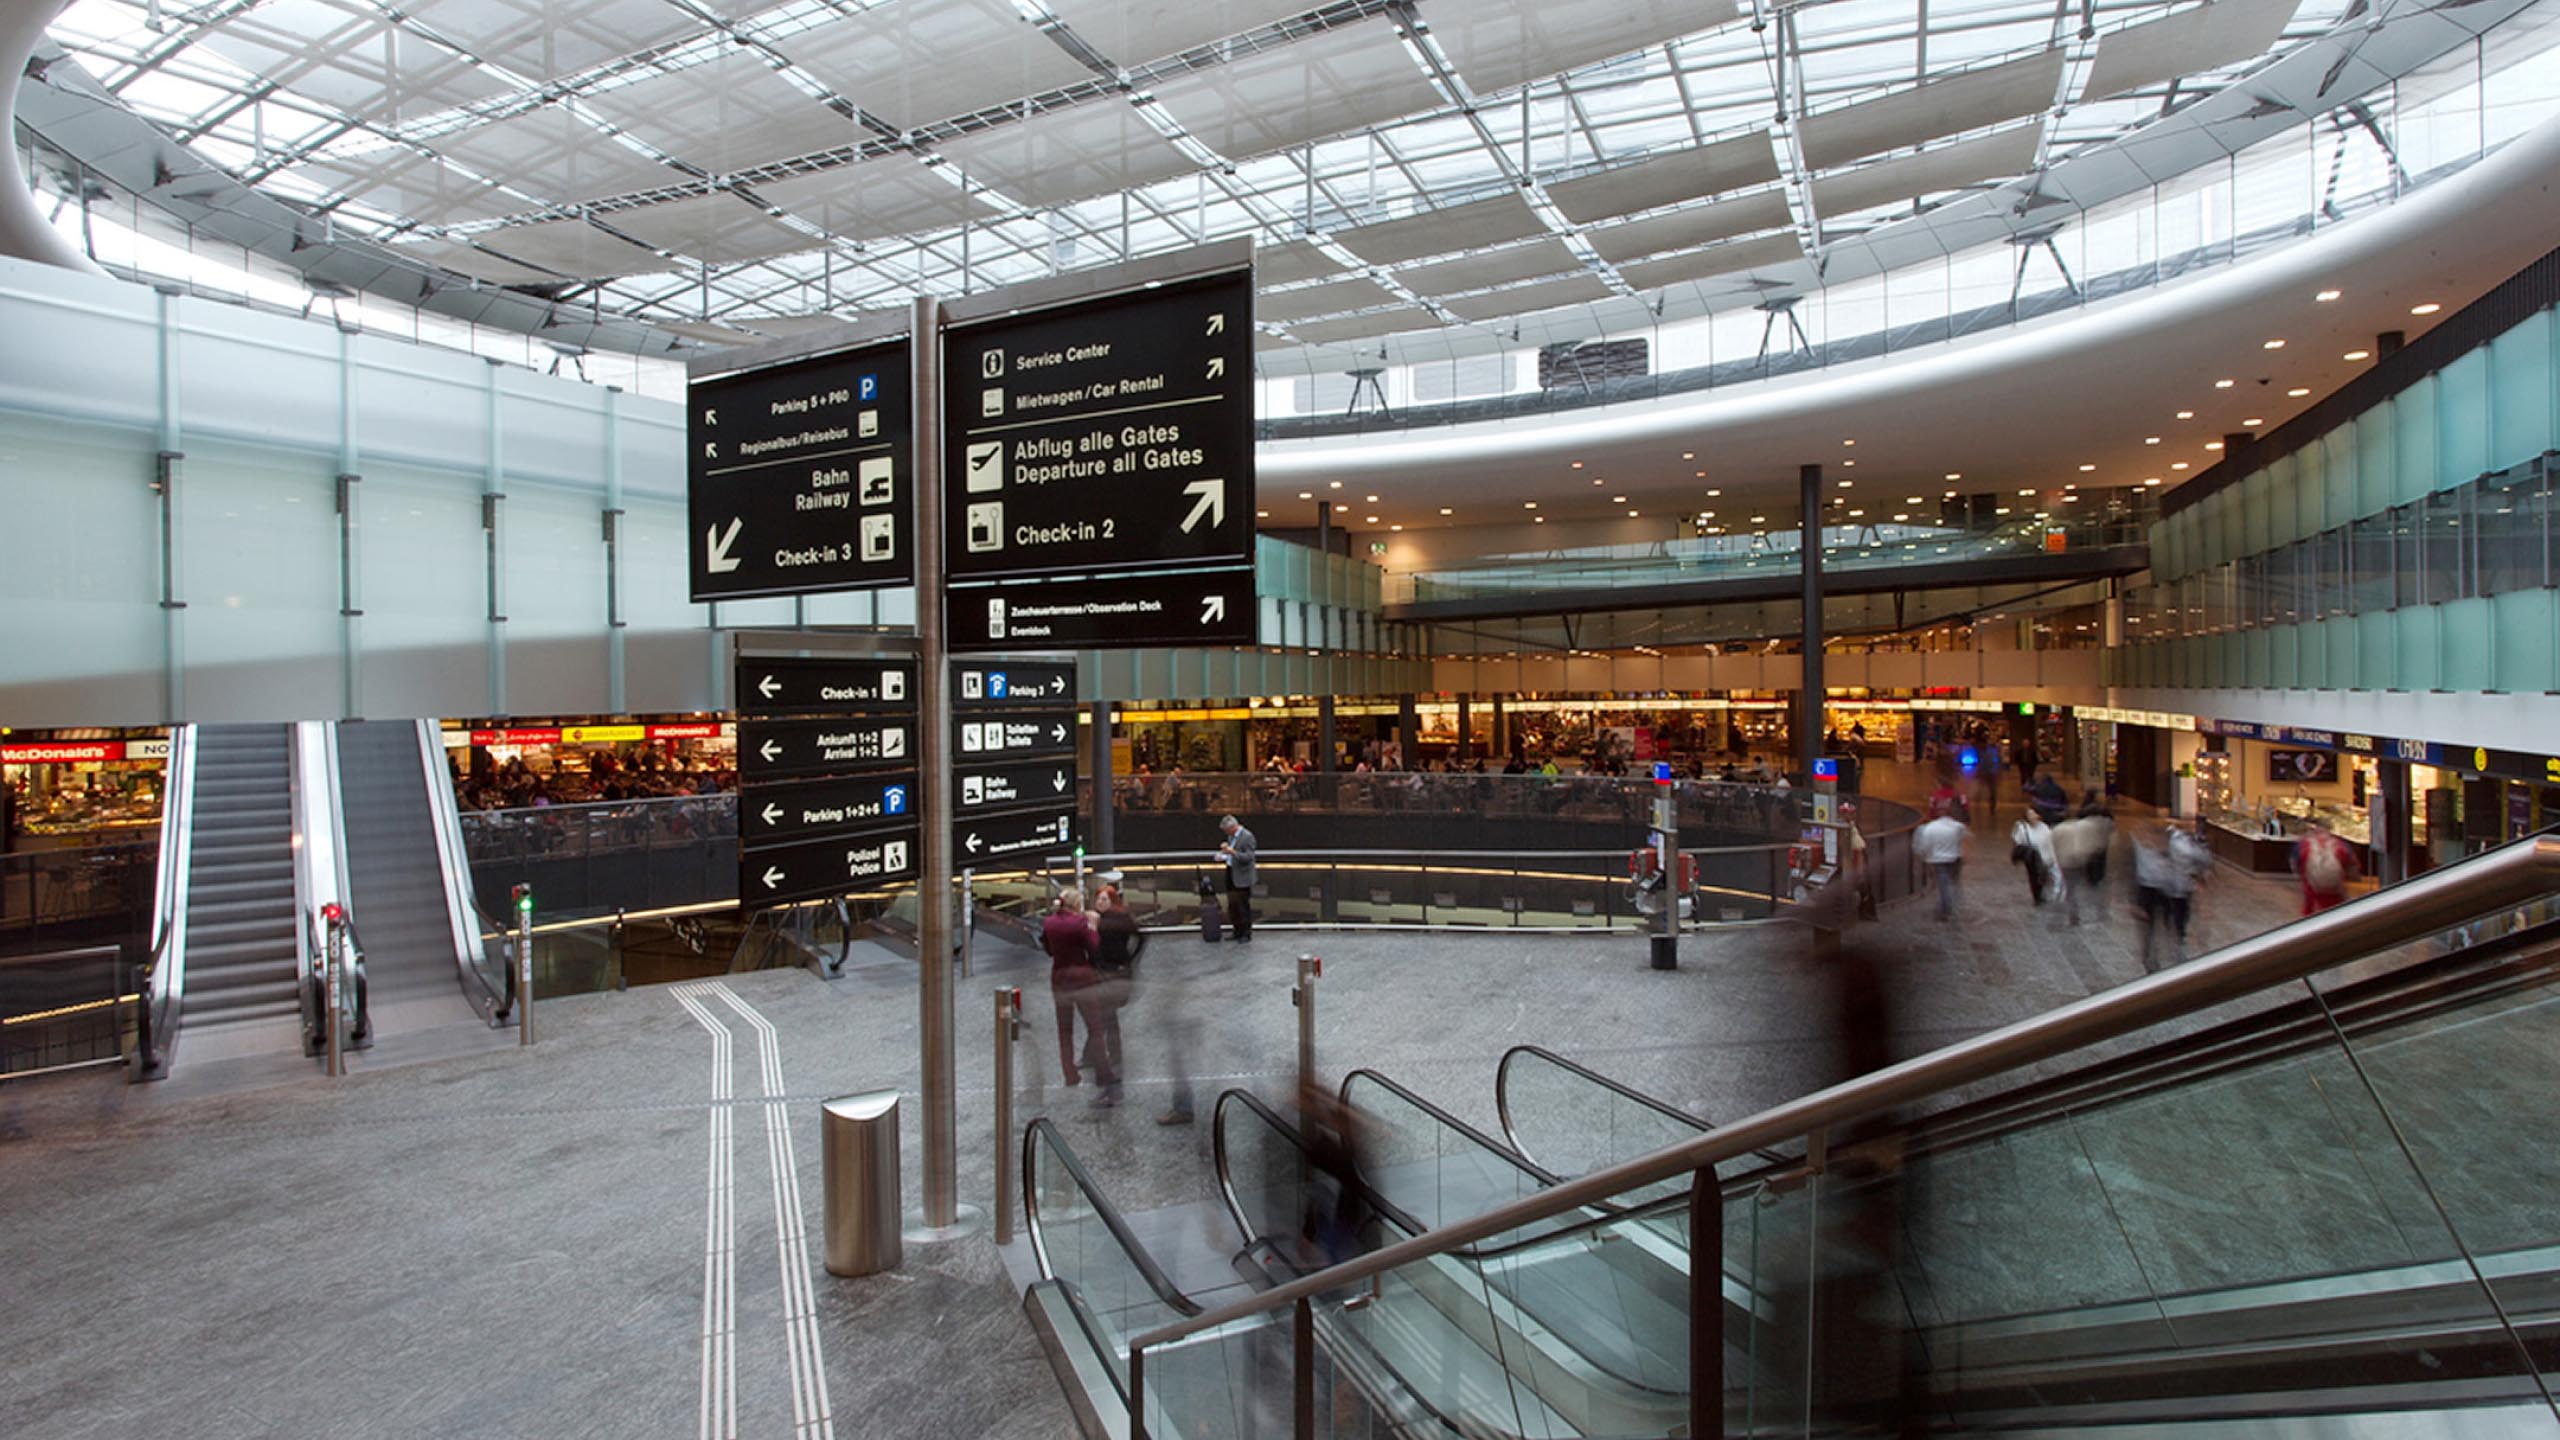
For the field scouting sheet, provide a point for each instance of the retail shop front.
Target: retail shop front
(574, 761)
(65, 788)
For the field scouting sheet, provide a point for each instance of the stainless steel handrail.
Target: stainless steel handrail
(164, 970)
(2409, 911)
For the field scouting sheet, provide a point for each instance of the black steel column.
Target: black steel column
(1324, 736)
(2391, 808)
(1466, 732)
(1409, 732)
(1102, 840)
(1809, 693)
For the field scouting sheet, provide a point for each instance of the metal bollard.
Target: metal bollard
(1310, 970)
(1008, 1029)
(858, 1144)
(524, 964)
(331, 950)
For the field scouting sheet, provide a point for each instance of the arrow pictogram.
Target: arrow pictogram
(1212, 503)
(973, 842)
(1212, 607)
(772, 877)
(1218, 323)
(719, 561)
(1217, 366)
(768, 687)
(1058, 782)
(772, 812)
(768, 750)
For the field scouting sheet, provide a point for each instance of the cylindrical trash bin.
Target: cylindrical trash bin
(859, 1138)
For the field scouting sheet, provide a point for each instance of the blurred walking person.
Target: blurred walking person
(2324, 865)
(1940, 845)
(2031, 845)
(2080, 846)
(1117, 944)
(2165, 877)
(1070, 937)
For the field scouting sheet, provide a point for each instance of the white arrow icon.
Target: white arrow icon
(712, 417)
(1212, 503)
(768, 750)
(1212, 607)
(1218, 323)
(1058, 782)
(767, 686)
(1057, 734)
(771, 812)
(1217, 366)
(710, 450)
(973, 842)
(772, 877)
(719, 561)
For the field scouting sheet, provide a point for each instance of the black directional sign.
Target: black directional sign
(800, 476)
(990, 789)
(768, 748)
(812, 869)
(791, 809)
(1212, 607)
(837, 686)
(1025, 736)
(1022, 834)
(1110, 434)
(996, 684)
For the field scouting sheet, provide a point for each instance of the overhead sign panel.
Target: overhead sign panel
(800, 476)
(788, 810)
(1021, 834)
(769, 748)
(1024, 785)
(836, 686)
(1214, 607)
(1109, 434)
(814, 869)
(995, 684)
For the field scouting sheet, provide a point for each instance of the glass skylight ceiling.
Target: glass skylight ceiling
(728, 161)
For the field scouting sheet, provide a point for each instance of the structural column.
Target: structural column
(2391, 815)
(1104, 842)
(1408, 730)
(935, 1015)
(1466, 732)
(1809, 692)
(1324, 735)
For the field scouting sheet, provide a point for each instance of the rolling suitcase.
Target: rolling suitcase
(1213, 921)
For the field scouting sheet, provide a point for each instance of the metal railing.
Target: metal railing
(164, 972)
(2512, 876)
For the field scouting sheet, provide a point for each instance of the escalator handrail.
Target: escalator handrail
(1157, 1281)
(163, 980)
(1502, 1101)
(2413, 910)
(469, 922)
(1511, 1155)
(1395, 1214)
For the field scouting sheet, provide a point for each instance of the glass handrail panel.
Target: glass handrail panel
(1079, 1243)
(1425, 1163)
(1571, 1121)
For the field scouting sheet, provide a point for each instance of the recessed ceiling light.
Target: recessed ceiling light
(1688, 454)
(1599, 480)
(1577, 464)
(1911, 500)
(1617, 499)
(1757, 519)
(2213, 444)
(1712, 494)
(2326, 295)
(2151, 480)
(1541, 519)
(2272, 345)
(2358, 355)
(2178, 465)
(1706, 515)
(1261, 514)
(2298, 391)
(1854, 514)
(2429, 308)
(1373, 499)
(1445, 510)
(2074, 485)
(2026, 492)
(2000, 510)
(1395, 527)
(2085, 469)
(1306, 494)
(2253, 422)
(1528, 504)
(1902, 517)
(1633, 514)
(1333, 484)
(1373, 520)
(1848, 442)
(1955, 474)
(2150, 439)
(1950, 495)
(1845, 484)
(1849, 464)
(2186, 414)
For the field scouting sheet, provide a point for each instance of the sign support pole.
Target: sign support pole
(936, 1021)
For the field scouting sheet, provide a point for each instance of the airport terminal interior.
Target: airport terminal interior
(1231, 719)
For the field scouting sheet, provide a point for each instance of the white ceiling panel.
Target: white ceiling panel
(704, 331)
(1521, 299)
(1346, 78)
(574, 247)
(720, 228)
(553, 155)
(1731, 258)
(1939, 108)
(2205, 38)
(403, 182)
(1498, 44)
(1132, 32)
(1362, 327)
(1292, 261)
(913, 62)
(1668, 179)
(1507, 266)
(732, 114)
(1063, 156)
(1357, 292)
(1998, 155)
(876, 199)
(479, 264)
(345, 55)
(1698, 225)
(792, 327)
(1471, 226)
(547, 39)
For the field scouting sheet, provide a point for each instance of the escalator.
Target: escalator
(2272, 1199)
(243, 960)
(398, 884)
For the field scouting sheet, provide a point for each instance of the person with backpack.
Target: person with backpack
(1070, 938)
(2324, 864)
